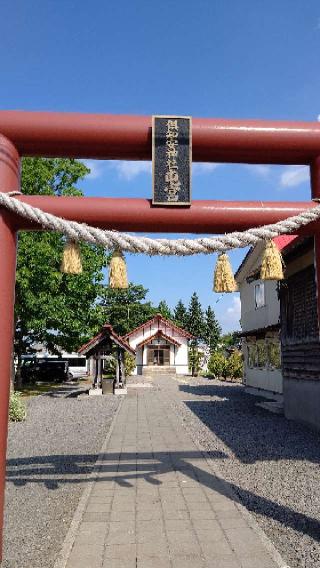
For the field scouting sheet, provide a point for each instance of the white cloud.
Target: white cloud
(203, 167)
(260, 170)
(318, 118)
(96, 168)
(129, 170)
(231, 316)
(294, 175)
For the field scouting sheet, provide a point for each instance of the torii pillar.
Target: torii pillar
(9, 181)
(315, 194)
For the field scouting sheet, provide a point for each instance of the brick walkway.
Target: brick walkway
(156, 502)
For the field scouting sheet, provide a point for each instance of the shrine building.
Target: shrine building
(160, 345)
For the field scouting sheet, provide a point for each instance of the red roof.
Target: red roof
(107, 329)
(159, 334)
(158, 318)
(284, 240)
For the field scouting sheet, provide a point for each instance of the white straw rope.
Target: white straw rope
(164, 247)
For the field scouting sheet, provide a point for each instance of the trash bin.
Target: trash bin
(107, 386)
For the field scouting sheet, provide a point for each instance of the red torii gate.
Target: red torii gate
(129, 138)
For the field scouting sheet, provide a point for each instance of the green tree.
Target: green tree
(58, 310)
(212, 329)
(125, 309)
(181, 315)
(164, 310)
(235, 365)
(195, 319)
(229, 340)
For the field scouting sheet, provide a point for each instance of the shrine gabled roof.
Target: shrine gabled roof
(159, 318)
(106, 331)
(155, 336)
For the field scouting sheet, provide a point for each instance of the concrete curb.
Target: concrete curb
(66, 548)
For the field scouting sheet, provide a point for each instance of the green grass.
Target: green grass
(35, 390)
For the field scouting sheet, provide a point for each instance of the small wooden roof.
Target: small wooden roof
(106, 332)
(161, 335)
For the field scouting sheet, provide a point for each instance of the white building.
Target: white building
(160, 344)
(260, 323)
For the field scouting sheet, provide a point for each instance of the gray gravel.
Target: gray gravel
(270, 462)
(49, 458)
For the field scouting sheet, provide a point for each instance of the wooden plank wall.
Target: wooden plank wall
(300, 345)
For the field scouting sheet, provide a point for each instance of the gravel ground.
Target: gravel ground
(271, 463)
(49, 458)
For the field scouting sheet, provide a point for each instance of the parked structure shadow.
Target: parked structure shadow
(126, 468)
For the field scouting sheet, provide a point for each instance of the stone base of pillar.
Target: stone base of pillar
(95, 392)
(120, 391)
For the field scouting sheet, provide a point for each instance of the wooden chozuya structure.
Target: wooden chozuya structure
(129, 138)
(105, 345)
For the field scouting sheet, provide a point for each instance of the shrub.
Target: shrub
(217, 365)
(235, 365)
(129, 364)
(17, 408)
(109, 366)
(195, 360)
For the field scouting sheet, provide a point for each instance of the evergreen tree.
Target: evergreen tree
(181, 315)
(212, 330)
(164, 310)
(126, 308)
(196, 323)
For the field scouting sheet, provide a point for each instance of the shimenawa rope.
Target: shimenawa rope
(114, 240)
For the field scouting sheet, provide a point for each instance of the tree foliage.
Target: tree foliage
(221, 367)
(180, 315)
(195, 319)
(125, 309)
(229, 340)
(195, 360)
(212, 329)
(217, 365)
(164, 310)
(52, 308)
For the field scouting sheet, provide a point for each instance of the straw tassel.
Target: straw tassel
(118, 271)
(71, 260)
(223, 276)
(272, 263)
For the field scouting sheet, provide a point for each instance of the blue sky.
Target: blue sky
(214, 58)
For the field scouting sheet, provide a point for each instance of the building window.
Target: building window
(264, 354)
(259, 295)
(274, 354)
(252, 355)
(262, 360)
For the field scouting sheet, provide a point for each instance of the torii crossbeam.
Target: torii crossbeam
(129, 138)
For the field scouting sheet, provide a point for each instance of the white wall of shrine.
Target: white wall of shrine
(178, 353)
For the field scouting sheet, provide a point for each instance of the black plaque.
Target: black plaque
(171, 160)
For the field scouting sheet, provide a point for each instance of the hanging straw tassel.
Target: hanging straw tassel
(223, 276)
(272, 263)
(71, 260)
(118, 271)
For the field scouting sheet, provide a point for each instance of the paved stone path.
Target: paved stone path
(156, 502)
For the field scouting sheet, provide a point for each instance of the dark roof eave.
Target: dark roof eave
(260, 330)
(106, 331)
